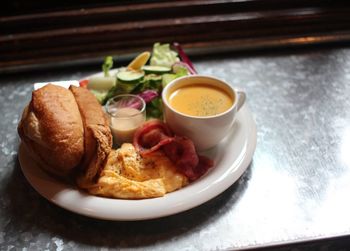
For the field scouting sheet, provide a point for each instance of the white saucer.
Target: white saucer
(232, 157)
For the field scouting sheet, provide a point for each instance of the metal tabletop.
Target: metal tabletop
(295, 189)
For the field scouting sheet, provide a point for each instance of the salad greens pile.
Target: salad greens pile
(145, 76)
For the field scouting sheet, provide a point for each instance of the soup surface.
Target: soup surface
(200, 100)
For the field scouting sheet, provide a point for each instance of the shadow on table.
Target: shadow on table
(32, 213)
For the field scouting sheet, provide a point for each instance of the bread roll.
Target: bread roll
(97, 136)
(67, 132)
(51, 128)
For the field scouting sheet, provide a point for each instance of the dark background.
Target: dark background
(37, 33)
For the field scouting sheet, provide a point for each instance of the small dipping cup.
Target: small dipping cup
(126, 113)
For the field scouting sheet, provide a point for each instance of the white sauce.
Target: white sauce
(124, 124)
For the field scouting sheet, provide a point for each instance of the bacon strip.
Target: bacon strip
(154, 135)
(151, 136)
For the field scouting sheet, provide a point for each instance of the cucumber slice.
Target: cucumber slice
(156, 69)
(101, 83)
(153, 81)
(130, 77)
(153, 78)
(124, 87)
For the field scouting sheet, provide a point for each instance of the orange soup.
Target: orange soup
(200, 100)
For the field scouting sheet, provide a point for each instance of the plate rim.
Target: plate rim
(60, 200)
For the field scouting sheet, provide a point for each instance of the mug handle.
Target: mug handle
(241, 99)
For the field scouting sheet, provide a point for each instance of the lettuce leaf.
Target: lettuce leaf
(107, 65)
(162, 55)
(154, 109)
(179, 71)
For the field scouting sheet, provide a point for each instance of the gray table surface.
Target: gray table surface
(295, 189)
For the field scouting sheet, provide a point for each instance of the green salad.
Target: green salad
(145, 76)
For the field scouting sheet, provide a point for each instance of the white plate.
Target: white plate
(232, 157)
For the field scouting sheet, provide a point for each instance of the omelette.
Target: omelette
(127, 175)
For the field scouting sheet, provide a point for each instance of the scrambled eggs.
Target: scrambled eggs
(127, 175)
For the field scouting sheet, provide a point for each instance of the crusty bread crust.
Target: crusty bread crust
(52, 129)
(97, 135)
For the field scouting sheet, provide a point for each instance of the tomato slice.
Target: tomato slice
(83, 83)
